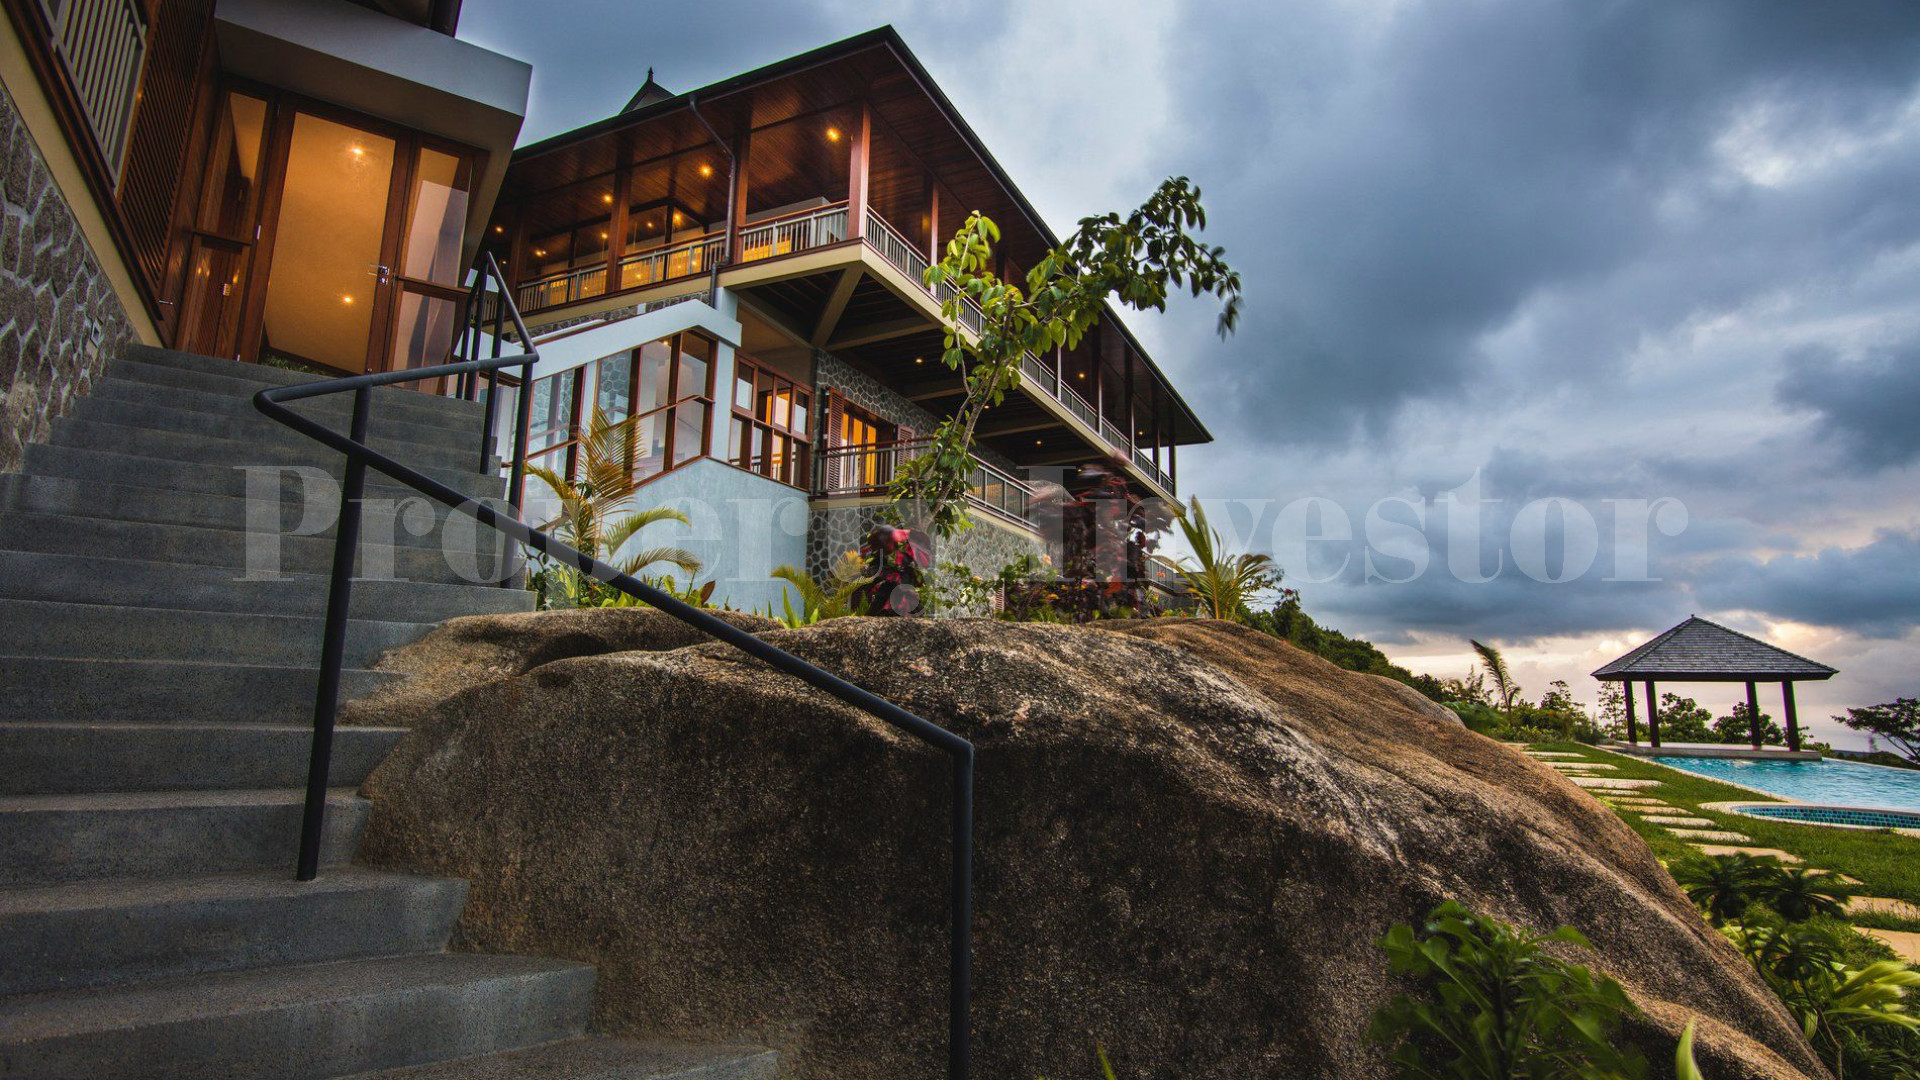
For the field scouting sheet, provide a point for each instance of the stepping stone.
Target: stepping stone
(1581, 765)
(1882, 905)
(1674, 819)
(1611, 783)
(1845, 880)
(1756, 852)
(1555, 754)
(1714, 835)
(1905, 945)
(1654, 805)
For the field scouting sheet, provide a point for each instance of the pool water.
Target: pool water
(1830, 780)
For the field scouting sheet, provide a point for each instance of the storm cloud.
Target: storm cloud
(1636, 249)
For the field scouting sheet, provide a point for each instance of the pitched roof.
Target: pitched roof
(1701, 650)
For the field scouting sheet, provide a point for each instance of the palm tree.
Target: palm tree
(1726, 885)
(1797, 894)
(1223, 584)
(1505, 689)
(608, 458)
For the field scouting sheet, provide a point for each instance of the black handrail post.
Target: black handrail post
(960, 977)
(326, 698)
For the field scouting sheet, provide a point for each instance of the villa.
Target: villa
(740, 268)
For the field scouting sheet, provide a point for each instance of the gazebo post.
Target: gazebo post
(1653, 717)
(1793, 719)
(1753, 713)
(1633, 727)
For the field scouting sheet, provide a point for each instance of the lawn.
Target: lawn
(1887, 864)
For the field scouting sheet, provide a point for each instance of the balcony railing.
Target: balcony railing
(101, 43)
(685, 259)
(794, 233)
(867, 469)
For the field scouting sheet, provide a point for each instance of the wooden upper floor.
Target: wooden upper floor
(818, 190)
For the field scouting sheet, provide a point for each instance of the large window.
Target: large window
(769, 432)
(664, 387)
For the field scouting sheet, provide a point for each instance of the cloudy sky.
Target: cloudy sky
(1590, 250)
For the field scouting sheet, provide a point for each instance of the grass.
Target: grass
(1885, 863)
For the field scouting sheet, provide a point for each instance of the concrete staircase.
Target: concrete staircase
(153, 743)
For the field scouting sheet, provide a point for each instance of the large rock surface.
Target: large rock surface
(1189, 838)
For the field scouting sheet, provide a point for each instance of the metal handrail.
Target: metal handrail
(360, 457)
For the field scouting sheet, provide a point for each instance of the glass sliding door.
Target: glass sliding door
(430, 263)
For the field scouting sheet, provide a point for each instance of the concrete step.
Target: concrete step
(49, 839)
(98, 933)
(105, 631)
(602, 1059)
(451, 449)
(95, 758)
(44, 688)
(377, 557)
(83, 579)
(127, 465)
(305, 1022)
(260, 375)
(450, 467)
(416, 522)
(334, 411)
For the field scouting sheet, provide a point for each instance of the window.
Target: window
(862, 445)
(665, 388)
(769, 425)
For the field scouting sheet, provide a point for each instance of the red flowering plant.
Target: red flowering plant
(1105, 532)
(896, 563)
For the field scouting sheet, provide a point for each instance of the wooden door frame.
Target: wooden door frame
(283, 106)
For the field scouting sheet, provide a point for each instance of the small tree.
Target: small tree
(1613, 710)
(1682, 719)
(1137, 260)
(1737, 727)
(1224, 583)
(1897, 721)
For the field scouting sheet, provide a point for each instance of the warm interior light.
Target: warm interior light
(1083, 374)
(919, 359)
(603, 235)
(833, 134)
(1037, 442)
(677, 219)
(346, 299)
(706, 170)
(499, 228)
(541, 252)
(357, 151)
(608, 199)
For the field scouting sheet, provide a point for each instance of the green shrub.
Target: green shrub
(1494, 1005)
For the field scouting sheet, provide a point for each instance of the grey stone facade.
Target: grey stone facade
(833, 373)
(60, 319)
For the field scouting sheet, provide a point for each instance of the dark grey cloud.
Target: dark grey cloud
(1870, 407)
(1873, 589)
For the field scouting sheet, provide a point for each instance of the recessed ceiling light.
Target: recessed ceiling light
(706, 170)
(346, 299)
(833, 134)
(499, 228)
(357, 151)
(608, 199)
(542, 252)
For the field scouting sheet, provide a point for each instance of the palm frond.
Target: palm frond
(617, 536)
(633, 564)
(1496, 665)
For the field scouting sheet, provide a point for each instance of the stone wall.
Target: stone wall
(833, 373)
(60, 320)
(832, 531)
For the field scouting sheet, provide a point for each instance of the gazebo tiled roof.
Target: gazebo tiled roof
(1700, 650)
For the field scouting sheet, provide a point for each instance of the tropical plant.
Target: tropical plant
(1495, 1005)
(1684, 1067)
(1859, 1019)
(596, 516)
(1136, 260)
(1506, 690)
(817, 604)
(1725, 886)
(895, 572)
(1797, 894)
(1222, 583)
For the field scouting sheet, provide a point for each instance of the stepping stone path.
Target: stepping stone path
(1550, 754)
(1583, 766)
(1674, 819)
(1714, 835)
(1611, 783)
(1881, 905)
(1904, 944)
(1756, 852)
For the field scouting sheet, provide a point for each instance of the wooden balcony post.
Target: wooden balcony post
(737, 177)
(859, 157)
(617, 225)
(933, 220)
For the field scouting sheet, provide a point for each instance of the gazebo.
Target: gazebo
(1700, 650)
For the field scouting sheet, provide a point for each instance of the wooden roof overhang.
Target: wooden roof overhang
(917, 134)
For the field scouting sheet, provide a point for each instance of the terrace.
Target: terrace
(818, 191)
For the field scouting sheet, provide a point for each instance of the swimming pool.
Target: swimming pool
(1833, 815)
(1830, 780)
